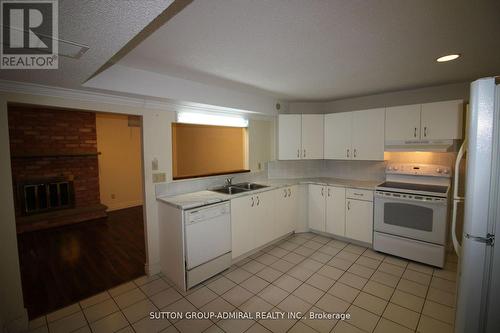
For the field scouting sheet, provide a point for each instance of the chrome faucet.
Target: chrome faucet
(229, 181)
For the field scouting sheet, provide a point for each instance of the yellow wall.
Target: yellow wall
(120, 167)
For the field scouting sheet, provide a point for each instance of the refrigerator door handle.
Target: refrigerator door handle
(457, 199)
(488, 240)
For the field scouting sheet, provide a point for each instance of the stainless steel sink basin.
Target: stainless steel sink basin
(238, 188)
(250, 186)
(229, 189)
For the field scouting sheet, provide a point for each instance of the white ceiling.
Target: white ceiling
(322, 50)
(104, 25)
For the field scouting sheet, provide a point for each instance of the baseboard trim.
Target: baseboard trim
(17, 325)
(152, 269)
(123, 205)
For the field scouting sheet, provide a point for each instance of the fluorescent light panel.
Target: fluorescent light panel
(211, 119)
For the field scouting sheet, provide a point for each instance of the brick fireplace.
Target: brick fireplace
(55, 168)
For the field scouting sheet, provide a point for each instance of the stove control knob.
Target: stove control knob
(439, 170)
(389, 168)
(395, 168)
(446, 171)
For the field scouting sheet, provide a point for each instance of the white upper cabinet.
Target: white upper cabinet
(442, 120)
(289, 136)
(312, 136)
(368, 134)
(429, 121)
(402, 123)
(355, 135)
(337, 135)
(300, 136)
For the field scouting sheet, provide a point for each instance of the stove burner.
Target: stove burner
(414, 187)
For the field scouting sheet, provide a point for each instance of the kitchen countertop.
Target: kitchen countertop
(201, 198)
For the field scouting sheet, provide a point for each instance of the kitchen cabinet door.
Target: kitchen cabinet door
(242, 225)
(442, 120)
(316, 207)
(263, 218)
(335, 210)
(338, 136)
(368, 135)
(289, 136)
(312, 136)
(286, 210)
(359, 220)
(402, 123)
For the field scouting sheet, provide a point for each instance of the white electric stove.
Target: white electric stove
(411, 212)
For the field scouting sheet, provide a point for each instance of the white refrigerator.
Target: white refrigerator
(478, 301)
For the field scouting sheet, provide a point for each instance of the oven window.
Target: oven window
(408, 216)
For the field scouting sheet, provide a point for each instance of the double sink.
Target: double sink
(238, 188)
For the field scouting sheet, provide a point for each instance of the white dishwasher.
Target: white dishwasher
(207, 232)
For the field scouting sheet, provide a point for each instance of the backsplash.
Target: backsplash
(360, 170)
(200, 184)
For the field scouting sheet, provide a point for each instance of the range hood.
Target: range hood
(423, 145)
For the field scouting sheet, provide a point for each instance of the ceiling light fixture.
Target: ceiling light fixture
(448, 57)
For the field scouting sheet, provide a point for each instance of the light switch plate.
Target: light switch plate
(159, 177)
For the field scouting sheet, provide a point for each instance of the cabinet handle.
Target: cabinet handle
(253, 203)
(425, 131)
(354, 152)
(415, 133)
(258, 200)
(289, 192)
(347, 152)
(348, 205)
(322, 191)
(304, 155)
(284, 193)
(358, 194)
(298, 153)
(328, 191)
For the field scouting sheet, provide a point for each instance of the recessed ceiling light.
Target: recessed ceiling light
(448, 57)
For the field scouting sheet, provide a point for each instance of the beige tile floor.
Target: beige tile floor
(305, 273)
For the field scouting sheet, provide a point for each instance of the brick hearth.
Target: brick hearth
(48, 143)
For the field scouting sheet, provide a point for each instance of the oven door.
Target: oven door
(413, 216)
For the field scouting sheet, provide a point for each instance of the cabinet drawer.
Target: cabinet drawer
(352, 193)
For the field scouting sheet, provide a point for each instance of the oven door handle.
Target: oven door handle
(441, 201)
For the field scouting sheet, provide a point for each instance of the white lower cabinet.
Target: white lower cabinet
(338, 211)
(359, 220)
(335, 210)
(286, 204)
(316, 207)
(257, 219)
(242, 225)
(263, 218)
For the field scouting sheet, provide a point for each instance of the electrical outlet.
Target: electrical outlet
(159, 177)
(259, 166)
(154, 164)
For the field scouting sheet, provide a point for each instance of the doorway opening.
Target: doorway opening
(78, 197)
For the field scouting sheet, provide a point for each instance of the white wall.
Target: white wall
(130, 80)
(403, 97)
(11, 297)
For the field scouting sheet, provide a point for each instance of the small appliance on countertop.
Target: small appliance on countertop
(411, 212)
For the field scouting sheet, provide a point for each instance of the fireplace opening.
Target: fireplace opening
(46, 195)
